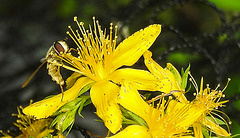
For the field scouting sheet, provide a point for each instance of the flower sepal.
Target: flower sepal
(180, 79)
(129, 118)
(66, 114)
(184, 77)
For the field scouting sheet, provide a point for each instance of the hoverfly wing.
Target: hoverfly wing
(33, 74)
(42, 60)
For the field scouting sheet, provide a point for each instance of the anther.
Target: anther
(75, 18)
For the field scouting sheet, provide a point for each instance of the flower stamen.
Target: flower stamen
(94, 49)
(193, 82)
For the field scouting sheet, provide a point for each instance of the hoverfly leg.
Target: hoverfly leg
(60, 83)
(62, 92)
(72, 49)
(162, 95)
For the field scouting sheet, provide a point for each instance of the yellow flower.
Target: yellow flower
(165, 73)
(171, 118)
(161, 121)
(208, 101)
(98, 61)
(31, 127)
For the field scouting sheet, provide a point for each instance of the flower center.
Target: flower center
(94, 48)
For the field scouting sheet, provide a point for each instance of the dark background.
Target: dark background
(194, 31)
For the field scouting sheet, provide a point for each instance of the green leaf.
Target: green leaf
(217, 120)
(74, 103)
(175, 72)
(182, 72)
(138, 119)
(66, 114)
(130, 117)
(85, 89)
(68, 106)
(205, 132)
(184, 78)
(66, 120)
(87, 102)
(189, 88)
(82, 103)
(124, 112)
(126, 121)
(56, 120)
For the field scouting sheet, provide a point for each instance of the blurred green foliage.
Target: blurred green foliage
(235, 127)
(231, 5)
(66, 8)
(182, 58)
(234, 86)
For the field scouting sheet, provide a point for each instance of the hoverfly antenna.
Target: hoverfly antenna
(66, 38)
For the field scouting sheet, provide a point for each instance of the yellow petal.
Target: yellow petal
(197, 127)
(142, 80)
(104, 97)
(183, 114)
(161, 73)
(218, 130)
(47, 107)
(130, 99)
(133, 131)
(158, 71)
(72, 79)
(131, 49)
(153, 66)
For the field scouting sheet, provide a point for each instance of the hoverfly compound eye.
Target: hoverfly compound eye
(60, 46)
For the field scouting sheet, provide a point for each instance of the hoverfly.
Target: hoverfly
(58, 47)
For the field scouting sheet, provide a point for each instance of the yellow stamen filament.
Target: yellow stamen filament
(193, 82)
(226, 85)
(94, 48)
(221, 118)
